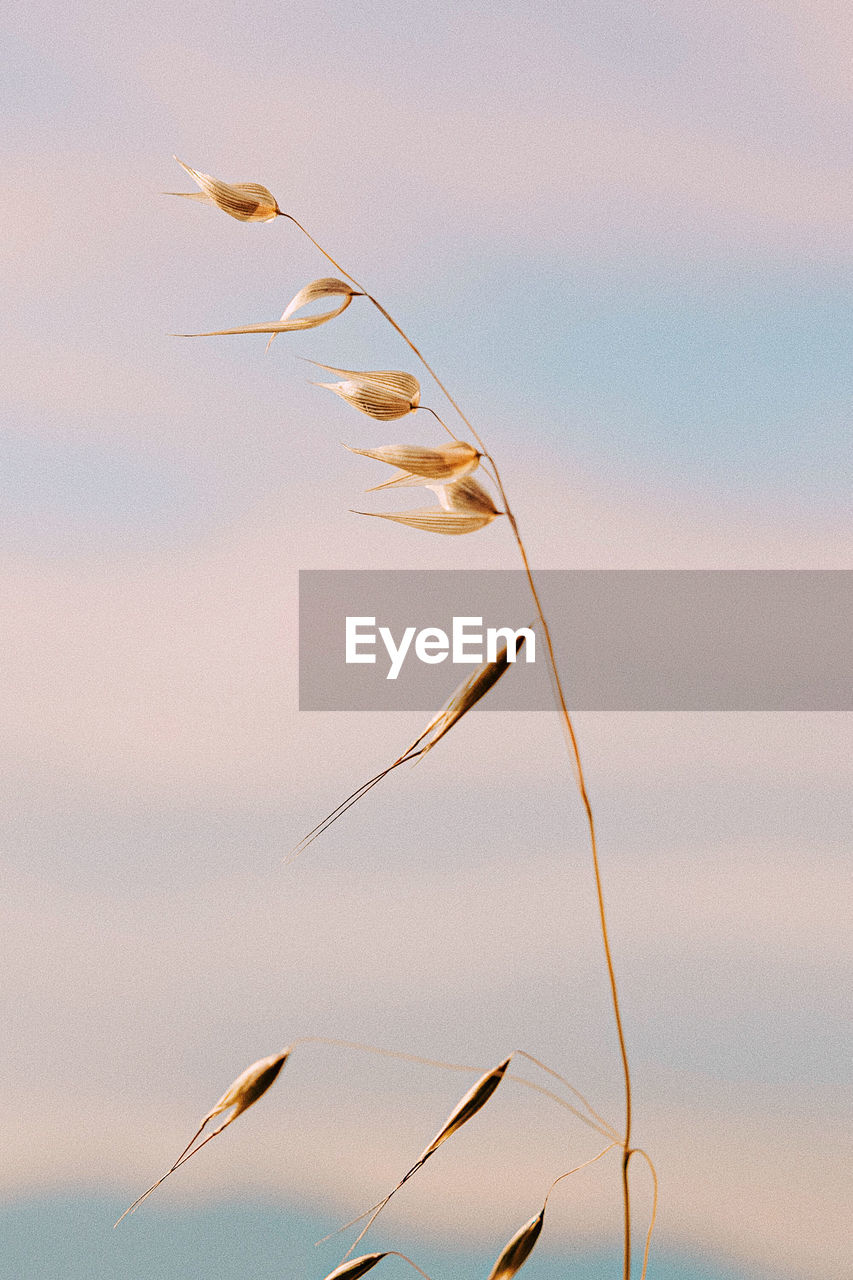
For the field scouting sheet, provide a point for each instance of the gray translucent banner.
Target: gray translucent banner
(632, 640)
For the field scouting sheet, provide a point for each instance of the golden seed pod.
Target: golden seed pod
(313, 292)
(385, 394)
(466, 495)
(356, 1266)
(245, 201)
(465, 507)
(450, 462)
(468, 1106)
(516, 1252)
(467, 696)
(433, 520)
(249, 1086)
(474, 1099)
(459, 704)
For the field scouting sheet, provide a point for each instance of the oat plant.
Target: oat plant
(464, 505)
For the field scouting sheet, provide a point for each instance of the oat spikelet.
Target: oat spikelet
(249, 1086)
(468, 1106)
(468, 695)
(465, 507)
(466, 495)
(385, 394)
(313, 292)
(474, 1099)
(358, 1266)
(458, 704)
(246, 201)
(449, 463)
(433, 520)
(516, 1252)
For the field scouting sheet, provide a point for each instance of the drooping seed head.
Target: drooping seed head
(466, 495)
(313, 292)
(356, 1266)
(474, 1099)
(465, 507)
(450, 462)
(434, 520)
(385, 394)
(467, 696)
(246, 1089)
(245, 201)
(250, 1085)
(327, 287)
(516, 1252)
(467, 1107)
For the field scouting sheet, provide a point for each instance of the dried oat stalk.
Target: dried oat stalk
(467, 1107)
(245, 201)
(251, 1085)
(458, 705)
(385, 394)
(328, 287)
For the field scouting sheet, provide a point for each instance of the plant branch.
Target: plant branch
(568, 729)
(597, 1122)
(638, 1151)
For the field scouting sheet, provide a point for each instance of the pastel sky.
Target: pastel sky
(622, 232)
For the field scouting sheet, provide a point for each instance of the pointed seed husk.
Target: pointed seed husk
(466, 696)
(468, 1106)
(466, 495)
(449, 463)
(516, 1252)
(356, 1266)
(328, 287)
(465, 507)
(434, 520)
(458, 704)
(245, 201)
(249, 1086)
(385, 394)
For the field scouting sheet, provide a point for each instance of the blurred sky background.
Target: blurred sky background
(621, 230)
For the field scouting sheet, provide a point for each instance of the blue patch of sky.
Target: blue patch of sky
(71, 1238)
(734, 381)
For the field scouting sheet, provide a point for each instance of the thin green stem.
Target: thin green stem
(568, 729)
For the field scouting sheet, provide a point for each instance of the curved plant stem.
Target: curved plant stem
(568, 730)
(577, 1169)
(597, 1122)
(424, 408)
(395, 1253)
(522, 1053)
